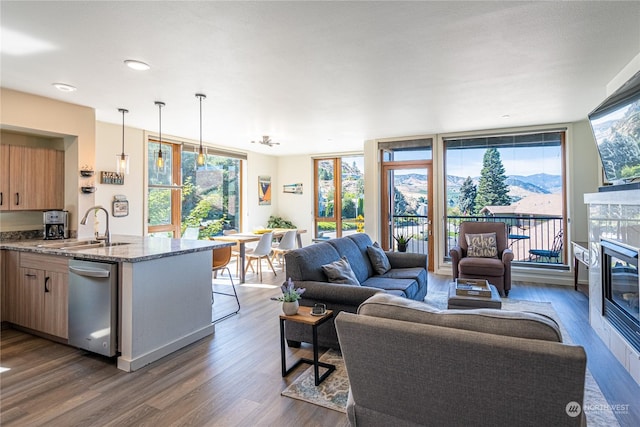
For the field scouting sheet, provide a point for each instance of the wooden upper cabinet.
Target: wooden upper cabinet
(4, 177)
(35, 178)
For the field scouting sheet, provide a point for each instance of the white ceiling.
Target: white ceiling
(322, 77)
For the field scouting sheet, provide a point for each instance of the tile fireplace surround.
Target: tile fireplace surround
(614, 215)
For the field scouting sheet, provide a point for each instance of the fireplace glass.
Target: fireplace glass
(621, 288)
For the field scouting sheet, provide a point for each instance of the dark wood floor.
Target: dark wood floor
(229, 379)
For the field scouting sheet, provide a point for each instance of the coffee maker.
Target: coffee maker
(56, 224)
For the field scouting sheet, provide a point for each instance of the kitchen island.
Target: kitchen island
(164, 290)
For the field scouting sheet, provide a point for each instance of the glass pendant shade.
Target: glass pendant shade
(122, 163)
(159, 159)
(122, 160)
(201, 157)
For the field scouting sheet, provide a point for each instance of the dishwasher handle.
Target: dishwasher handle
(89, 272)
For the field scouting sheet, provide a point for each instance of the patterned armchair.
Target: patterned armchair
(481, 255)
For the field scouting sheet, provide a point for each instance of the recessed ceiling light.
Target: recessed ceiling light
(63, 87)
(137, 65)
(506, 116)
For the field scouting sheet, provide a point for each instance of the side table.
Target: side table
(304, 316)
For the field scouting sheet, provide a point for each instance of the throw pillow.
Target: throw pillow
(482, 245)
(340, 272)
(378, 259)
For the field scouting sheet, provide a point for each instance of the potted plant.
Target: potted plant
(402, 241)
(290, 297)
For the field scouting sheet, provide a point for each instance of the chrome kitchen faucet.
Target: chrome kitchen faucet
(107, 233)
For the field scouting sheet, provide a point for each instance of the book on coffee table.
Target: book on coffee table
(473, 288)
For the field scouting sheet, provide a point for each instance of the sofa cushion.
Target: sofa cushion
(407, 288)
(492, 321)
(356, 255)
(482, 245)
(378, 259)
(306, 263)
(340, 272)
(481, 267)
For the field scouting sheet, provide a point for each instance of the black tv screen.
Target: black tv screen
(616, 128)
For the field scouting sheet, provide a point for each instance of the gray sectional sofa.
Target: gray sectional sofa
(409, 364)
(406, 278)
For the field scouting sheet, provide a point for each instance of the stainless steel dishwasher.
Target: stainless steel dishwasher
(93, 306)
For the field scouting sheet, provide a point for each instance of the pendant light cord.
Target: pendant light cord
(160, 105)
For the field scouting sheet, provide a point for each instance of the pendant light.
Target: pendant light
(159, 158)
(201, 155)
(122, 160)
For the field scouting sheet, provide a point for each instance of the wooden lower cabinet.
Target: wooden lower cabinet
(39, 297)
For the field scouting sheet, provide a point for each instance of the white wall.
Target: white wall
(108, 146)
(256, 215)
(297, 208)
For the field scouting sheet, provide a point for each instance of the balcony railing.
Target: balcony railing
(533, 240)
(414, 226)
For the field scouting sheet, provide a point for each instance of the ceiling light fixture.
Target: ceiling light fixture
(159, 158)
(137, 65)
(122, 160)
(201, 155)
(63, 87)
(266, 141)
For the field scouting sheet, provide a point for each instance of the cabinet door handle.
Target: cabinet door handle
(46, 280)
(17, 199)
(1, 199)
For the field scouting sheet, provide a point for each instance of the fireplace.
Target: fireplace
(621, 289)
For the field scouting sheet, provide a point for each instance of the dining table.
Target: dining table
(243, 238)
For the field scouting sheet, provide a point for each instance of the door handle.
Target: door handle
(46, 280)
(17, 199)
(1, 199)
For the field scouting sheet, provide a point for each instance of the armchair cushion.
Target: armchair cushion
(340, 272)
(379, 260)
(482, 245)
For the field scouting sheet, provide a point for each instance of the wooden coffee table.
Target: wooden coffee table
(471, 302)
(305, 317)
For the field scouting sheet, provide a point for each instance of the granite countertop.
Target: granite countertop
(128, 249)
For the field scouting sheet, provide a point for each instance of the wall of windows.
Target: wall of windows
(183, 195)
(513, 178)
(339, 197)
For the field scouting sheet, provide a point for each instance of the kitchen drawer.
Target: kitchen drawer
(58, 264)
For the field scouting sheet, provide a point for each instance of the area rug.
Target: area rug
(332, 393)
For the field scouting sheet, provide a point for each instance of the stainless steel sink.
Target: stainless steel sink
(67, 245)
(80, 245)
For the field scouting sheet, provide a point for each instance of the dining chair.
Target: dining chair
(191, 233)
(262, 251)
(287, 243)
(235, 249)
(221, 258)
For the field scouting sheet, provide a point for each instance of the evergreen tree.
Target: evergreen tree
(467, 200)
(400, 203)
(492, 188)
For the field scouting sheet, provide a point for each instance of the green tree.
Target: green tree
(400, 205)
(467, 199)
(492, 188)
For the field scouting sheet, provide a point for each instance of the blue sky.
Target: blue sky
(516, 161)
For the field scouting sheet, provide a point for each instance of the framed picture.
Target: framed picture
(120, 208)
(292, 188)
(264, 190)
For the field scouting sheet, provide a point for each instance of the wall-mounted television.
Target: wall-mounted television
(616, 127)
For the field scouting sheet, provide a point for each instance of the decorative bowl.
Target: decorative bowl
(88, 189)
(86, 173)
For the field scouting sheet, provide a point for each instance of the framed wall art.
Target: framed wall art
(264, 190)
